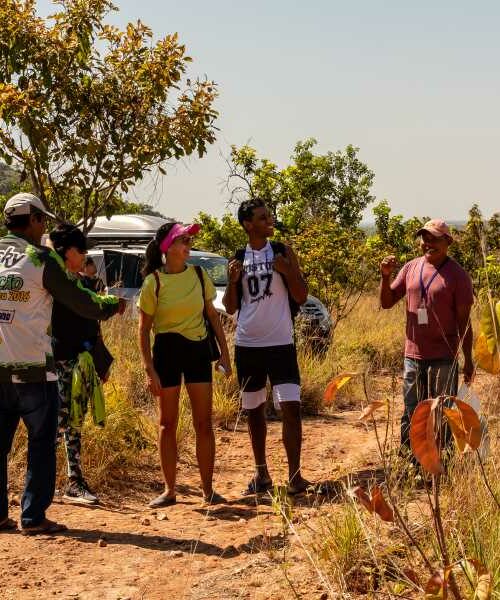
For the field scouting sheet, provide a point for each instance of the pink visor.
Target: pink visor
(176, 231)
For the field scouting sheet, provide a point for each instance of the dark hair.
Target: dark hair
(67, 235)
(89, 261)
(17, 221)
(246, 208)
(153, 253)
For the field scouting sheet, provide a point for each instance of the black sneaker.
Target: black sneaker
(78, 492)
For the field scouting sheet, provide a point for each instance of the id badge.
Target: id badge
(422, 317)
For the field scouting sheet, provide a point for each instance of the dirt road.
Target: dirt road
(124, 550)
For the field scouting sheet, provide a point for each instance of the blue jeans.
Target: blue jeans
(37, 405)
(423, 379)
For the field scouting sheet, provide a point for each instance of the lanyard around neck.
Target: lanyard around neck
(425, 288)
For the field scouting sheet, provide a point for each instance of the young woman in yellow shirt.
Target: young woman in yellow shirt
(172, 305)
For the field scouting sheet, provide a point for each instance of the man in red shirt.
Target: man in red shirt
(438, 301)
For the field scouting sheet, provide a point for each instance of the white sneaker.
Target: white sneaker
(78, 492)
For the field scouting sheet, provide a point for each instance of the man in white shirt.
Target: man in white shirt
(31, 278)
(266, 287)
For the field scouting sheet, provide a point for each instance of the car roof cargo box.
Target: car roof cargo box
(124, 230)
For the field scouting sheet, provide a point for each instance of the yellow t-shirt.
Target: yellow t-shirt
(179, 307)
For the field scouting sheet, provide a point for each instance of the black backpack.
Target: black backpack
(278, 248)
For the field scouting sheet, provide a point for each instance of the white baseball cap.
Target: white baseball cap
(25, 204)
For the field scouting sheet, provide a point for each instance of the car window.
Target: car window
(123, 269)
(215, 266)
(98, 259)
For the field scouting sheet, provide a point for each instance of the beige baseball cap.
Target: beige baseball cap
(437, 228)
(25, 204)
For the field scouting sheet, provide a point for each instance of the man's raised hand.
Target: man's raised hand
(388, 265)
(282, 264)
(234, 268)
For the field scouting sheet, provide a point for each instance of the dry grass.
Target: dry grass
(361, 554)
(355, 551)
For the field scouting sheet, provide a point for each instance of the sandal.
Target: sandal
(214, 498)
(45, 527)
(162, 500)
(303, 488)
(257, 487)
(8, 524)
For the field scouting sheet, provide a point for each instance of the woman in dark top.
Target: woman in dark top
(71, 335)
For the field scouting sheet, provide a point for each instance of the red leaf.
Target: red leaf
(423, 439)
(471, 423)
(363, 497)
(333, 387)
(380, 506)
(375, 503)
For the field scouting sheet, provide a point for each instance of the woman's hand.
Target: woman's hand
(225, 363)
(154, 383)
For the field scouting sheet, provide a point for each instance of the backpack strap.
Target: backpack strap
(279, 248)
(157, 286)
(199, 272)
(239, 255)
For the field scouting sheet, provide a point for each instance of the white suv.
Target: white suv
(120, 243)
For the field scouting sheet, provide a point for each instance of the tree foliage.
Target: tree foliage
(477, 249)
(318, 201)
(333, 186)
(87, 109)
(336, 263)
(223, 237)
(394, 235)
(71, 211)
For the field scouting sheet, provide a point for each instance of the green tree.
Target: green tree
(333, 186)
(9, 179)
(478, 250)
(394, 235)
(337, 264)
(71, 211)
(222, 236)
(86, 109)
(493, 233)
(470, 243)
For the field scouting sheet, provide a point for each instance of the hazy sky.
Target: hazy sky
(414, 85)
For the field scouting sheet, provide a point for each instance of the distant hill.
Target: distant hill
(9, 177)
(369, 226)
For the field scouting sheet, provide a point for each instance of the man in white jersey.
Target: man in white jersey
(31, 277)
(264, 283)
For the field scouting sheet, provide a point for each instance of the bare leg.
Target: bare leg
(167, 438)
(200, 395)
(292, 440)
(257, 428)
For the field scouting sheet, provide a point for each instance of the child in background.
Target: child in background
(92, 280)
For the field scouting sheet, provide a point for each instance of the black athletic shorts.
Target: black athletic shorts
(255, 365)
(175, 356)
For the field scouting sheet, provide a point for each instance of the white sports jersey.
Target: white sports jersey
(30, 277)
(264, 318)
